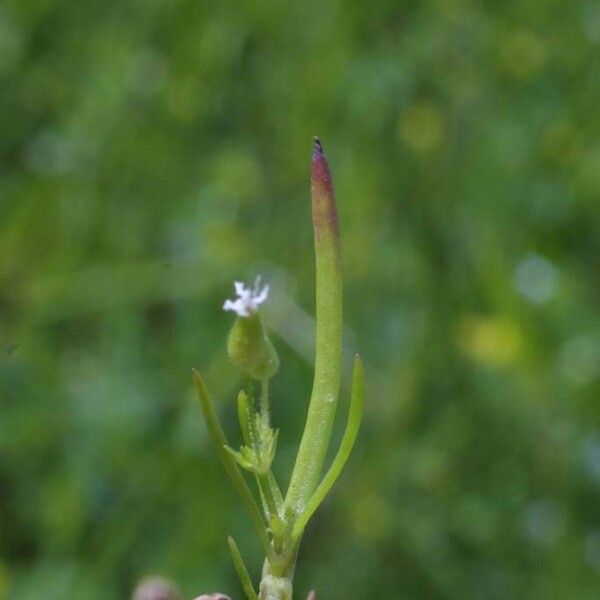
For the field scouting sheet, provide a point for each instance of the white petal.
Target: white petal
(248, 299)
(262, 296)
(237, 306)
(228, 305)
(256, 287)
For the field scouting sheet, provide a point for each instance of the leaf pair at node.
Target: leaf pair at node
(260, 439)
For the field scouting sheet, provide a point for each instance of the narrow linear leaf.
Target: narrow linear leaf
(242, 572)
(354, 418)
(220, 442)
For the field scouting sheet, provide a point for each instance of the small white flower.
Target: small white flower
(248, 300)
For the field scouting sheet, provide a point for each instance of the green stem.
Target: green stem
(265, 484)
(264, 401)
(275, 588)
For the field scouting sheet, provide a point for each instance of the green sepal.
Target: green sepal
(241, 458)
(258, 459)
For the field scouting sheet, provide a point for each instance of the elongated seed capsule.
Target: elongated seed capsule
(326, 383)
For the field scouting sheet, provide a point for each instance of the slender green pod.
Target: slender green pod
(328, 351)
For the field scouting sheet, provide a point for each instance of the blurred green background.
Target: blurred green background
(153, 151)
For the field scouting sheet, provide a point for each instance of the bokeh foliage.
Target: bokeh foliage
(152, 151)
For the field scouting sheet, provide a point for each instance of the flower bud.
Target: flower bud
(250, 348)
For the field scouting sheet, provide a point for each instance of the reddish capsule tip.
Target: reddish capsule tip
(318, 147)
(324, 213)
(321, 177)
